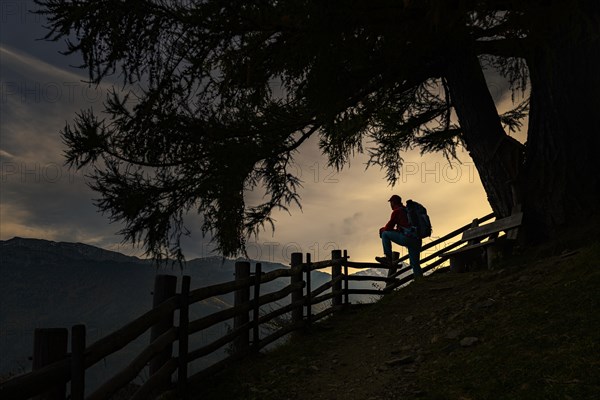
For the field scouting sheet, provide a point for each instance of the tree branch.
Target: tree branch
(502, 47)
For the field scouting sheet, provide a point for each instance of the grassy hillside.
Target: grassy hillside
(528, 330)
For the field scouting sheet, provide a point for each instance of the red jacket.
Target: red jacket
(398, 220)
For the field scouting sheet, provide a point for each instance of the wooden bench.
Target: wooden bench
(478, 252)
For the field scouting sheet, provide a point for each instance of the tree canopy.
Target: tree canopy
(227, 91)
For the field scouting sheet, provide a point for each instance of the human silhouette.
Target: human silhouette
(399, 231)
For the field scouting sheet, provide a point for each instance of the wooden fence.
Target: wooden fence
(54, 369)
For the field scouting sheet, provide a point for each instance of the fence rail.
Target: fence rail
(160, 320)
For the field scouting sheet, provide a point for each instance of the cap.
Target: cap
(396, 198)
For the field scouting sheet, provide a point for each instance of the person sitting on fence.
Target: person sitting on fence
(399, 231)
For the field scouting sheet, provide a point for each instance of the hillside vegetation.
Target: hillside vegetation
(528, 330)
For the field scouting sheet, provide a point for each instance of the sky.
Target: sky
(40, 197)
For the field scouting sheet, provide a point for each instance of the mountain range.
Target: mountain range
(46, 284)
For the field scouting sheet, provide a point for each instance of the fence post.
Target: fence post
(336, 271)
(165, 287)
(461, 264)
(393, 269)
(241, 296)
(256, 315)
(78, 339)
(296, 262)
(184, 321)
(308, 290)
(50, 345)
(346, 283)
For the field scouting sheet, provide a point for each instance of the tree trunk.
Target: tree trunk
(497, 156)
(562, 179)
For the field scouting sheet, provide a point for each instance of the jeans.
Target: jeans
(412, 243)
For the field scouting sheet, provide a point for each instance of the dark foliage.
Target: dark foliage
(226, 92)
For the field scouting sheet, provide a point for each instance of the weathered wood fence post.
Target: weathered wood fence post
(165, 287)
(393, 269)
(346, 282)
(50, 345)
(241, 296)
(256, 314)
(78, 339)
(308, 290)
(184, 322)
(297, 294)
(460, 264)
(336, 272)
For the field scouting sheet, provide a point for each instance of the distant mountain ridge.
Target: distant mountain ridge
(45, 251)
(70, 251)
(46, 284)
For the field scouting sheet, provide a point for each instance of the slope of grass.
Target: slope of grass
(529, 330)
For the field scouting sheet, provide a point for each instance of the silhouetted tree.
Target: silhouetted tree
(231, 89)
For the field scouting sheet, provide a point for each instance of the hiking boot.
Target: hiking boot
(384, 260)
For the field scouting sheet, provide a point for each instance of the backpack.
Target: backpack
(418, 218)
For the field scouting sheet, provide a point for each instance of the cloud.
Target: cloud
(341, 209)
(350, 224)
(40, 196)
(28, 65)
(344, 209)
